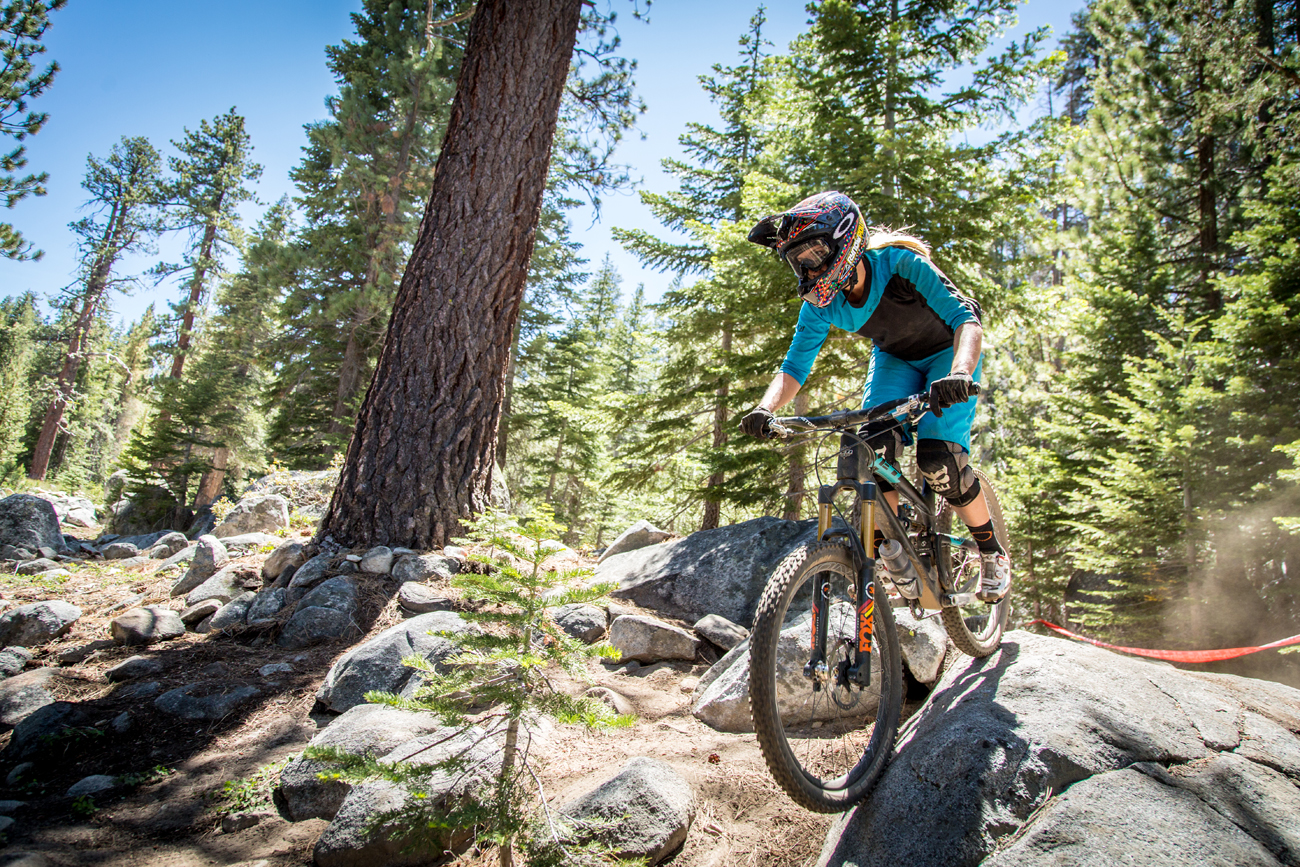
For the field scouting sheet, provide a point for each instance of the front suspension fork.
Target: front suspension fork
(858, 671)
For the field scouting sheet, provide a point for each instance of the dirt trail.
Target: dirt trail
(171, 816)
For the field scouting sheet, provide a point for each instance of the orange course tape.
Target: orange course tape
(1176, 655)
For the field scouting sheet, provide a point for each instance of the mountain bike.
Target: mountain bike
(826, 682)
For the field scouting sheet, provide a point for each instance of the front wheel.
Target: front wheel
(976, 628)
(825, 739)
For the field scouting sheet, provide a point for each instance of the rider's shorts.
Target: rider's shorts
(892, 378)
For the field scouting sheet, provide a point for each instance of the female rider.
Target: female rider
(925, 334)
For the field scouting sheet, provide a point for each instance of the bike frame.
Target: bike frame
(935, 584)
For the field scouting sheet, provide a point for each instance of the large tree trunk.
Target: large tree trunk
(422, 453)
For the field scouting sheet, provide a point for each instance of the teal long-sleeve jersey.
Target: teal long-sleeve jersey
(911, 311)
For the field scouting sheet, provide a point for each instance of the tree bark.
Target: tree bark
(422, 453)
(210, 484)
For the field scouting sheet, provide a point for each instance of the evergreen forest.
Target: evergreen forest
(1134, 248)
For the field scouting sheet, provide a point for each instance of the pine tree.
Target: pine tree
(124, 196)
(204, 194)
(215, 426)
(22, 25)
(693, 403)
(19, 319)
(361, 187)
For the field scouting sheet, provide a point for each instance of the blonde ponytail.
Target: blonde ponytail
(883, 236)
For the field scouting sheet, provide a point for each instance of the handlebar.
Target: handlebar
(909, 409)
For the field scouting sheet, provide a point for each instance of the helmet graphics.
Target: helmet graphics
(820, 239)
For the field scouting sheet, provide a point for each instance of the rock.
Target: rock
(233, 613)
(185, 555)
(421, 599)
(353, 840)
(266, 605)
(92, 785)
(172, 543)
(720, 631)
(308, 490)
(210, 700)
(259, 513)
(24, 694)
(225, 585)
(37, 566)
(377, 664)
(196, 614)
(37, 622)
(648, 639)
(325, 613)
(286, 554)
(648, 804)
(29, 522)
(923, 644)
(135, 667)
(121, 723)
(721, 571)
(366, 729)
(81, 652)
(13, 660)
(617, 702)
(689, 684)
(19, 772)
(119, 551)
(274, 668)
(640, 535)
(147, 625)
(36, 731)
(249, 541)
(11, 552)
(81, 518)
(309, 574)
(339, 593)
(139, 690)
(208, 557)
(8, 808)
(377, 561)
(722, 696)
(587, 623)
(215, 670)
(422, 567)
(1050, 752)
(314, 625)
(457, 553)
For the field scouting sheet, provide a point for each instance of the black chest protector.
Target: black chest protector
(904, 325)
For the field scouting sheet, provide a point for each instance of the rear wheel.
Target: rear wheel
(975, 627)
(825, 739)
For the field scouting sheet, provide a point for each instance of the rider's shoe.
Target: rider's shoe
(995, 577)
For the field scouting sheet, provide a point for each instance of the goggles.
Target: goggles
(806, 256)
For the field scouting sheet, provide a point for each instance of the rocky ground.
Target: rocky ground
(183, 748)
(192, 792)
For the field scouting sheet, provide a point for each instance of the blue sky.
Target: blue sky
(155, 67)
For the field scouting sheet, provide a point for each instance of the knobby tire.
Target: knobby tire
(975, 629)
(801, 755)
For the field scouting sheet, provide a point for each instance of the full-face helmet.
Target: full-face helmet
(820, 239)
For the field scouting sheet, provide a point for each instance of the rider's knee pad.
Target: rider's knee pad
(946, 467)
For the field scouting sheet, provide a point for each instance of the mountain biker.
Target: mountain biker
(926, 336)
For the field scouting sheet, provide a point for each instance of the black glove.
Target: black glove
(953, 389)
(758, 423)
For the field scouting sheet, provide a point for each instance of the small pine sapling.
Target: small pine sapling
(493, 690)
